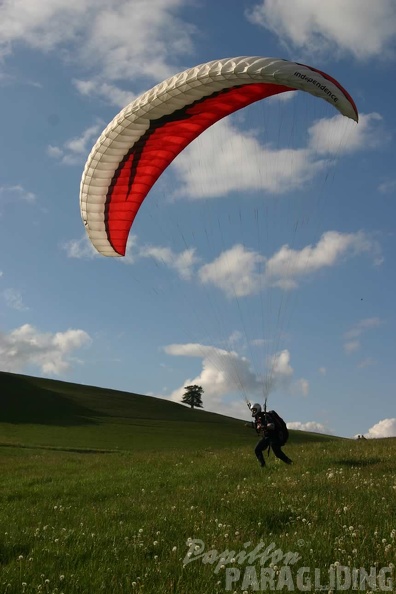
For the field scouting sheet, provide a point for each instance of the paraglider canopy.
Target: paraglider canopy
(147, 135)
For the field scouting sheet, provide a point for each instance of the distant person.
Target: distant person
(273, 432)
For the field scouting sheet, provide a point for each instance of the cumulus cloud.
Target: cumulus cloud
(312, 426)
(280, 375)
(226, 374)
(227, 159)
(234, 160)
(239, 272)
(361, 28)
(280, 365)
(51, 353)
(42, 25)
(113, 39)
(384, 428)
(223, 372)
(329, 136)
(285, 267)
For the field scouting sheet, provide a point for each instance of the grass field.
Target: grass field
(107, 500)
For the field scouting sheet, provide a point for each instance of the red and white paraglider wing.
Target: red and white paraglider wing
(145, 137)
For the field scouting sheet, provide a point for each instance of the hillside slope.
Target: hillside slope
(46, 401)
(52, 413)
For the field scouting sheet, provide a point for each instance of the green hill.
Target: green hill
(105, 491)
(52, 413)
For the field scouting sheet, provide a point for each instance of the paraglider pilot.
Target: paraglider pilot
(270, 434)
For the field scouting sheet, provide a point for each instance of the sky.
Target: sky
(261, 261)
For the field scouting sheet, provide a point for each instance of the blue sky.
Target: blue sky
(262, 256)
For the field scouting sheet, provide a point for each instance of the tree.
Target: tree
(192, 396)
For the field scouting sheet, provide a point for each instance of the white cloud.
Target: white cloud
(128, 40)
(362, 326)
(301, 386)
(311, 426)
(116, 39)
(322, 370)
(334, 136)
(108, 92)
(183, 262)
(75, 150)
(352, 337)
(226, 159)
(223, 372)
(280, 375)
(10, 194)
(240, 272)
(384, 428)
(285, 267)
(42, 25)
(237, 272)
(226, 373)
(14, 300)
(55, 152)
(279, 364)
(80, 248)
(222, 169)
(359, 27)
(51, 353)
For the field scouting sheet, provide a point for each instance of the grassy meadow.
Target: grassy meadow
(107, 492)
